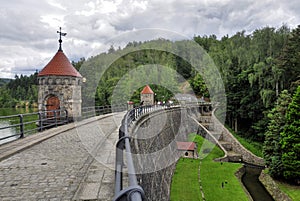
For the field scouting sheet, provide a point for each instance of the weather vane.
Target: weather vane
(60, 40)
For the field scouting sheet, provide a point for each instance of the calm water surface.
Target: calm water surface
(253, 185)
(5, 122)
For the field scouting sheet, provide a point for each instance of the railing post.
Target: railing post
(21, 126)
(101, 110)
(40, 122)
(55, 119)
(67, 116)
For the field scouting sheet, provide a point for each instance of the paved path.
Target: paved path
(74, 165)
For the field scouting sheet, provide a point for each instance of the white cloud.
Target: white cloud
(28, 37)
(56, 4)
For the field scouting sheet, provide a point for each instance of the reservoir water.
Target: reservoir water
(5, 122)
(6, 132)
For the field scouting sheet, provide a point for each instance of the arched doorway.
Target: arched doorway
(52, 103)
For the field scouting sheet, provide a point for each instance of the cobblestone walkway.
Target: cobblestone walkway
(74, 165)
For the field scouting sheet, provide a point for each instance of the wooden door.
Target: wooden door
(52, 104)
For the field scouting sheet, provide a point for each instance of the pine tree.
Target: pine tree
(290, 142)
(272, 149)
(289, 60)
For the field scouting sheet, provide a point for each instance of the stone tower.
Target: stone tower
(60, 85)
(147, 95)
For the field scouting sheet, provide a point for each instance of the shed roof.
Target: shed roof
(59, 65)
(187, 146)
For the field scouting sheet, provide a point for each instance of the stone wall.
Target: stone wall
(239, 174)
(154, 136)
(237, 147)
(66, 88)
(148, 99)
(273, 188)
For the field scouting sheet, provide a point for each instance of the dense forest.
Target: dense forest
(260, 71)
(19, 92)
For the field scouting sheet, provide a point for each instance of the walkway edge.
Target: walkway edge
(16, 146)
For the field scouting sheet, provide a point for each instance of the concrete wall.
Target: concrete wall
(155, 136)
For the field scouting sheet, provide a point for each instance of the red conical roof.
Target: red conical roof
(59, 65)
(147, 90)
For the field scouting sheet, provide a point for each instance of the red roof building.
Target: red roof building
(59, 66)
(60, 85)
(147, 90)
(189, 149)
(147, 96)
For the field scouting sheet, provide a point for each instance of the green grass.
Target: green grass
(214, 173)
(254, 147)
(185, 185)
(292, 191)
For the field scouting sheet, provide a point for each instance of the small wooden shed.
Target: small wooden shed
(188, 149)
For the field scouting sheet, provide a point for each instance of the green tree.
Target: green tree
(290, 142)
(289, 60)
(272, 148)
(79, 63)
(198, 85)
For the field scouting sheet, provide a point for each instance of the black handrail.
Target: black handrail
(133, 192)
(30, 123)
(33, 122)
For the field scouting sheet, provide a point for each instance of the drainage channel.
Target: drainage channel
(256, 189)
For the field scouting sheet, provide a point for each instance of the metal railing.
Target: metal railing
(133, 192)
(17, 126)
(29, 123)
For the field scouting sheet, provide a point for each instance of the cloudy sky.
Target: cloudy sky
(28, 38)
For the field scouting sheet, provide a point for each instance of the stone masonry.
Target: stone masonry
(157, 132)
(66, 88)
(77, 164)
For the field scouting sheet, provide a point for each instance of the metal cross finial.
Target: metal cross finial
(60, 40)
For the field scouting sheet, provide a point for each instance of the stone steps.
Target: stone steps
(217, 135)
(227, 145)
(234, 157)
(207, 122)
(208, 126)
(205, 119)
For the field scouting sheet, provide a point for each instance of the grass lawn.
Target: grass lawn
(292, 191)
(213, 174)
(185, 185)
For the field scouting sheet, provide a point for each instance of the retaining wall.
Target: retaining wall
(155, 135)
(237, 147)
